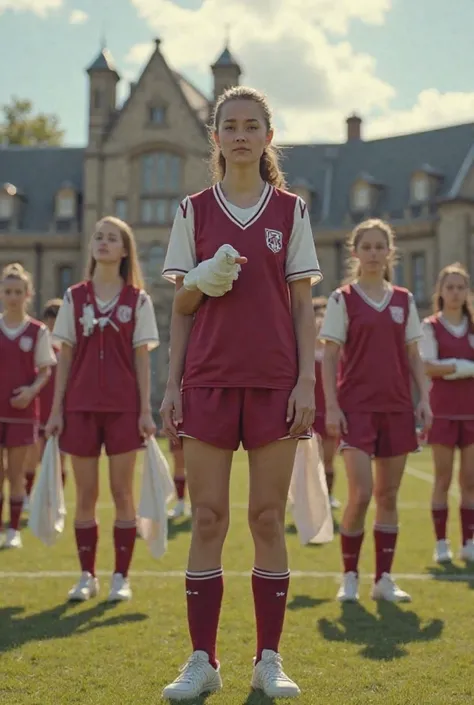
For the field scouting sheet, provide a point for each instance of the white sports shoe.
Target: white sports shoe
(388, 590)
(87, 587)
(13, 539)
(467, 552)
(120, 590)
(442, 552)
(334, 503)
(196, 678)
(178, 510)
(349, 590)
(269, 676)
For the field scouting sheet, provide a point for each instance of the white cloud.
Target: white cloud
(297, 52)
(78, 17)
(38, 7)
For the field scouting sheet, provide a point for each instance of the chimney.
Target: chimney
(354, 123)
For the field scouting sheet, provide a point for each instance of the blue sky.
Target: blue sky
(403, 64)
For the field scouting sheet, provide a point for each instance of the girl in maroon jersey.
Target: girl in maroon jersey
(448, 351)
(102, 394)
(26, 357)
(242, 257)
(328, 444)
(35, 453)
(372, 330)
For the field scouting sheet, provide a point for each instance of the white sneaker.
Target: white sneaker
(349, 590)
(178, 510)
(196, 678)
(269, 676)
(387, 589)
(442, 552)
(467, 552)
(87, 587)
(335, 503)
(13, 539)
(120, 590)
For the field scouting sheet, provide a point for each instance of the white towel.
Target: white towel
(47, 508)
(156, 491)
(308, 496)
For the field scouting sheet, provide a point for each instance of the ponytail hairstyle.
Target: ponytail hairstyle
(130, 269)
(353, 241)
(270, 169)
(17, 271)
(438, 301)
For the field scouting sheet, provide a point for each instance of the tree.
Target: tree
(21, 126)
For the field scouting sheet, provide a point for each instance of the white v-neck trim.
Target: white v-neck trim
(233, 212)
(458, 331)
(377, 305)
(13, 333)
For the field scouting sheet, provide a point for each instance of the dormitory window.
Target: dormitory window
(6, 207)
(361, 197)
(121, 208)
(420, 189)
(64, 279)
(156, 114)
(66, 207)
(418, 276)
(161, 174)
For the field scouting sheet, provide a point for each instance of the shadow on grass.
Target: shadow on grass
(256, 697)
(302, 602)
(178, 526)
(57, 623)
(451, 573)
(384, 636)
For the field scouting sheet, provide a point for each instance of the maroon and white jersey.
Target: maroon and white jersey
(104, 336)
(23, 351)
(319, 399)
(47, 393)
(374, 374)
(452, 399)
(245, 338)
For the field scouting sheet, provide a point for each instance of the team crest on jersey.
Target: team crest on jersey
(26, 343)
(274, 240)
(397, 314)
(124, 314)
(471, 340)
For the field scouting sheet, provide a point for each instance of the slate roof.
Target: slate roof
(225, 59)
(39, 173)
(103, 62)
(389, 162)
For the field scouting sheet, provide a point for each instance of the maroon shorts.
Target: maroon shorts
(453, 433)
(15, 434)
(85, 432)
(319, 426)
(226, 417)
(381, 435)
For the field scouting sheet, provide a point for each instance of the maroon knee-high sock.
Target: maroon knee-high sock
(385, 538)
(351, 544)
(16, 506)
(270, 592)
(204, 591)
(439, 515)
(125, 534)
(467, 523)
(87, 536)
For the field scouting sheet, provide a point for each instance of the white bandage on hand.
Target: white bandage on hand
(215, 276)
(464, 369)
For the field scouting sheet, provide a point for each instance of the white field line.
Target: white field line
(428, 477)
(315, 575)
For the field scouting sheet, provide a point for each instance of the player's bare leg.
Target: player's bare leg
(32, 460)
(179, 477)
(86, 475)
(443, 458)
(329, 447)
(16, 476)
(270, 575)
(359, 484)
(122, 469)
(466, 485)
(388, 476)
(208, 476)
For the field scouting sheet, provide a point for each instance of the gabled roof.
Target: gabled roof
(39, 173)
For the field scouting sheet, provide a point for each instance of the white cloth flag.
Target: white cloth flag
(47, 508)
(308, 496)
(156, 491)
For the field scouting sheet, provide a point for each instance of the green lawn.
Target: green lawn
(53, 653)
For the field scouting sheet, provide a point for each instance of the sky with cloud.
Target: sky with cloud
(403, 65)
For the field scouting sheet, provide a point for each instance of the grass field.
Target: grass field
(52, 653)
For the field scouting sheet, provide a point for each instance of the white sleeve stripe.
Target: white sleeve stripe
(303, 272)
